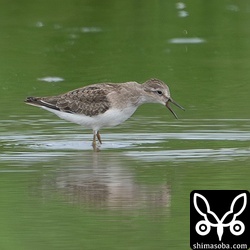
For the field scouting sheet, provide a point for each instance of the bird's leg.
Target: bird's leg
(95, 147)
(99, 137)
(94, 140)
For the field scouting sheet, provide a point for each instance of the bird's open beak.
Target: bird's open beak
(176, 104)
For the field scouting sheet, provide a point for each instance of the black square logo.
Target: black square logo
(219, 219)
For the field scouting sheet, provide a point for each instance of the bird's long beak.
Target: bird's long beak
(176, 104)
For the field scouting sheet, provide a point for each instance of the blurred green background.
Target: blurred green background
(55, 192)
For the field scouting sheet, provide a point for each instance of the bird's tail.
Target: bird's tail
(40, 102)
(33, 101)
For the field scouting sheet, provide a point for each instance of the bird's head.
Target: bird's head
(158, 92)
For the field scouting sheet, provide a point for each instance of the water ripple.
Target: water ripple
(187, 40)
(76, 141)
(225, 154)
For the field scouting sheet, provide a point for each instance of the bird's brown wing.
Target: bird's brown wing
(91, 100)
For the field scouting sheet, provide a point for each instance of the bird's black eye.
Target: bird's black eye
(159, 92)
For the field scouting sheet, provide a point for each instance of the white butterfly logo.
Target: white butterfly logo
(203, 227)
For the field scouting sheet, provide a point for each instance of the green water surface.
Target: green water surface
(55, 192)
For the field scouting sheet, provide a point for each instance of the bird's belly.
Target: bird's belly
(113, 117)
(110, 118)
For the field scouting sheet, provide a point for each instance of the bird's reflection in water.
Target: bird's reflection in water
(102, 180)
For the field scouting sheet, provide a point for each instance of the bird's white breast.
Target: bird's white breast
(110, 118)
